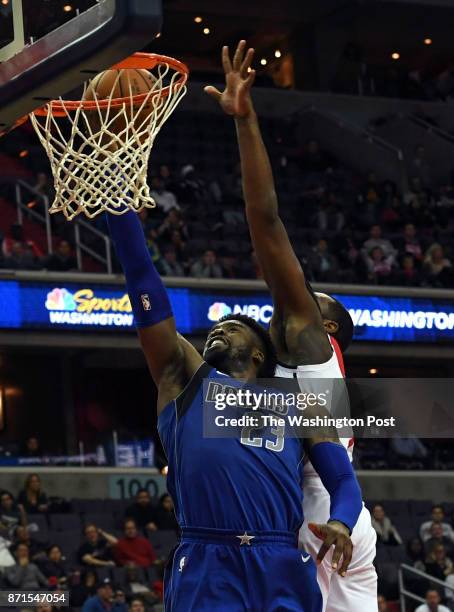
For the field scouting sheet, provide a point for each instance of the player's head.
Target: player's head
(336, 319)
(238, 343)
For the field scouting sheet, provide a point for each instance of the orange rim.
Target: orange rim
(139, 61)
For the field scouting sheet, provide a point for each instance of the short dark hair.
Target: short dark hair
(268, 367)
(435, 506)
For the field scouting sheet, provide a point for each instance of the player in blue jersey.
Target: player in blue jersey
(238, 500)
(299, 333)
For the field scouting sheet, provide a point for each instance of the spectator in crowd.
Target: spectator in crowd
(408, 275)
(169, 264)
(437, 267)
(22, 535)
(44, 185)
(432, 604)
(379, 267)
(369, 200)
(386, 532)
(415, 190)
(153, 246)
(84, 588)
(32, 448)
(437, 537)
(20, 258)
(376, 240)
(165, 514)
(173, 222)
(135, 586)
(165, 200)
(438, 564)
(313, 160)
(54, 566)
(416, 555)
(133, 548)
(393, 214)
(207, 266)
(96, 551)
(382, 604)
(32, 497)
(419, 167)
(437, 516)
(142, 511)
(409, 244)
(11, 514)
(103, 600)
(323, 264)
(136, 605)
(62, 260)
(167, 178)
(231, 265)
(16, 235)
(179, 245)
(25, 575)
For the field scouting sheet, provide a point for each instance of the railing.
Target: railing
(44, 219)
(403, 592)
(434, 129)
(361, 132)
(357, 129)
(83, 248)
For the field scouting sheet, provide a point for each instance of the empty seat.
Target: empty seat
(65, 522)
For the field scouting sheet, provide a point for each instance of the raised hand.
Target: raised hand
(236, 99)
(334, 534)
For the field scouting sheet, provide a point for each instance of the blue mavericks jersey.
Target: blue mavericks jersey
(247, 482)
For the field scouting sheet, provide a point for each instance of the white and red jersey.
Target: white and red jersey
(331, 369)
(357, 591)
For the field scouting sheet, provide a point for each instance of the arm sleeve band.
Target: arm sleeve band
(333, 465)
(149, 300)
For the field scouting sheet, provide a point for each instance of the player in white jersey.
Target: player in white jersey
(357, 591)
(297, 327)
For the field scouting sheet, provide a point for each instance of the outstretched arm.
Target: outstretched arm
(297, 326)
(171, 362)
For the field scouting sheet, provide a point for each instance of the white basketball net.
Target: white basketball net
(98, 169)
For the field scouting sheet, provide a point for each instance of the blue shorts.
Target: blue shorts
(220, 571)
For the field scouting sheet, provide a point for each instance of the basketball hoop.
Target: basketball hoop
(95, 166)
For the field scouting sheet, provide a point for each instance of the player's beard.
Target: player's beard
(229, 360)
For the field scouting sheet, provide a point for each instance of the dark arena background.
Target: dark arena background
(356, 103)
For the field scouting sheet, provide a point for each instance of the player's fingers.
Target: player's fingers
(249, 81)
(238, 57)
(247, 62)
(318, 530)
(226, 63)
(338, 550)
(324, 548)
(348, 553)
(213, 92)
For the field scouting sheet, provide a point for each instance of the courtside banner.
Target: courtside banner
(96, 307)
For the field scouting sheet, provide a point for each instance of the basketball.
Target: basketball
(121, 84)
